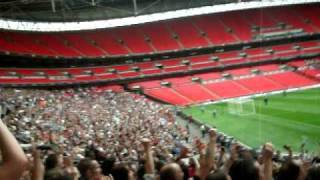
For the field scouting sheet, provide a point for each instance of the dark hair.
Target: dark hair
(167, 173)
(289, 170)
(57, 174)
(216, 176)
(140, 172)
(83, 166)
(244, 169)
(120, 173)
(107, 165)
(159, 164)
(51, 162)
(313, 174)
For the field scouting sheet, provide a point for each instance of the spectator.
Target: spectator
(14, 161)
(88, 135)
(171, 171)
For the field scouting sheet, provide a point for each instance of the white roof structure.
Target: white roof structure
(17, 25)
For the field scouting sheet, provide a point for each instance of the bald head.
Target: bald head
(171, 171)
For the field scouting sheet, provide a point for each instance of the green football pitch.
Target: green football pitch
(292, 118)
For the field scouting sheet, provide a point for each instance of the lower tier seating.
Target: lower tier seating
(213, 87)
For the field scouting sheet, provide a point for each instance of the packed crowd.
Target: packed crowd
(89, 134)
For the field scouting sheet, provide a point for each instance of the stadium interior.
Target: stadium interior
(184, 65)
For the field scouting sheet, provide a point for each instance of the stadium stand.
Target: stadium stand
(143, 69)
(122, 128)
(213, 86)
(194, 32)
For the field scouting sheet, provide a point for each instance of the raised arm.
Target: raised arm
(149, 164)
(233, 156)
(267, 154)
(38, 167)
(14, 159)
(211, 150)
(207, 159)
(288, 148)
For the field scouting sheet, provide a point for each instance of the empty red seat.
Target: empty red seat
(83, 45)
(176, 69)
(134, 39)
(239, 71)
(291, 79)
(188, 35)
(124, 67)
(147, 84)
(129, 74)
(261, 18)
(215, 30)
(194, 92)
(238, 24)
(266, 68)
(167, 95)
(209, 76)
(171, 62)
(58, 45)
(204, 65)
(298, 63)
(179, 80)
(160, 37)
(313, 73)
(151, 71)
(108, 42)
(30, 42)
(227, 89)
(260, 84)
(311, 13)
(199, 59)
(290, 17)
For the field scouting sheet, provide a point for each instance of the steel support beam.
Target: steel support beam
(135, 7)
(53, 6)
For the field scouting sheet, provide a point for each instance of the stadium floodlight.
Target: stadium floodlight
(20, 25)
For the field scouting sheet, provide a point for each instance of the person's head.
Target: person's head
(107, 165)
(244, 169)
(89, 168)
(53, 161)
(67, 161)
(57, 174)
(313, 173)
(289, 170)
(217, 176)
(121, 172)
(171, 171)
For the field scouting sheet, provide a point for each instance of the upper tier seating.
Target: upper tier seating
(187, 34)
(160, 37)
(193, 32)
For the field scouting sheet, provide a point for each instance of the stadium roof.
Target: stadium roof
(78, 24)
(85, 10)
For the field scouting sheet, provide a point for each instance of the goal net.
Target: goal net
(241, 107)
